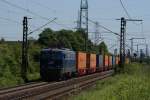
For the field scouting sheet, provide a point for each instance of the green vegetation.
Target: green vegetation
(133, 84)
(69, 39)
(10, 53)
(10, 64)
(9, 56)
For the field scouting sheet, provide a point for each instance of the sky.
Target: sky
(66, 11)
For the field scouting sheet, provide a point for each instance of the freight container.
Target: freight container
(106, 62)
(69, 62)
(91, 63)
(99, 62)
(113, 61)
(110, 62)
(127, 61)
(117, 60)
(81, 63)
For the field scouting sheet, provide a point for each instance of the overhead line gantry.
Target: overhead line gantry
(132, 39)
(123, 39)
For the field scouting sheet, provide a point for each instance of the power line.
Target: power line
(42, 26)
(113, 46)
(21, 8)
(62, 25)
(103, 27)
(142, 30)
(10, 20)
(10, 11)
(42, 5)
(125, 9)
(4, 36)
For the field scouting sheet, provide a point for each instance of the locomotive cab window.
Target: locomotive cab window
(51, 58)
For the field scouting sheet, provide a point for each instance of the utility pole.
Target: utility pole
(137, 49)
(115, 52)
(128, 53)
(143, 44)
(122, 42)
(123, 39)
(147, 51)
(25, 45)
(132, 47)
(84, 20)
(25, 50)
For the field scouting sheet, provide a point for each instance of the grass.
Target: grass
(133, 84)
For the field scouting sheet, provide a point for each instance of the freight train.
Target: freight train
(60, 64)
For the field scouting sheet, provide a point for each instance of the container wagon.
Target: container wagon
(117, 60)
(110, 62)
(106, 62)
(91, 63)
(113, 61)
(81, 63)
(127, 60)
(99, 63)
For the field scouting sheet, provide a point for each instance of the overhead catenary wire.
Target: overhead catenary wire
(31, 12)
(113, 46)
(43, 6)
(10, 20)
(103, 27)
(57, 23)
(42, 26)
(10, 11)
(125, 10)
(142, 31)
(54, 11)
(26, 10)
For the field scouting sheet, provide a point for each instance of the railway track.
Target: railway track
(21, 87)
(43, 90)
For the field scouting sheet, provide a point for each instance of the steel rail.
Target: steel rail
(53, 90)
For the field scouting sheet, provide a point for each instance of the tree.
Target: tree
(103, 48)
(31, 39)
(2, 40)
(69, 39)
(47, 38)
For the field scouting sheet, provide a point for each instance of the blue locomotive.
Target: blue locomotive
(57, 64)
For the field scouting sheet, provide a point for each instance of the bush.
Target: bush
(134, 84)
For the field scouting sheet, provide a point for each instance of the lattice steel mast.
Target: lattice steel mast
(84, 20)
(25, 50)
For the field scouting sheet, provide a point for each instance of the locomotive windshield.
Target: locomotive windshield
(51, 58)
